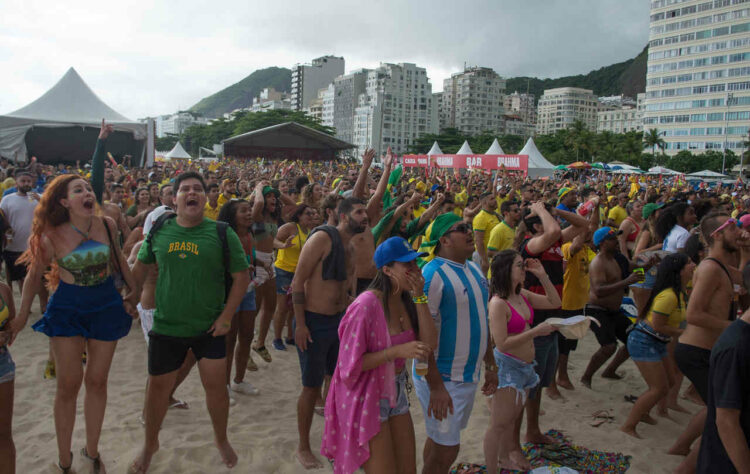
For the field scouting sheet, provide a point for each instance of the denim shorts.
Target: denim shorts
(7, 366)
(248, 302)
(402, 400)
(515, 373)
(645, 348)
(283, 280)
(545, 356)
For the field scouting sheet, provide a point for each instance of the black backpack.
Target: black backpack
(221, 230)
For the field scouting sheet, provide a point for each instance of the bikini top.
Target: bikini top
(634, 234)
(401, 338)
(516, 323)
(4, 312)
(88, 263)
(260, 229)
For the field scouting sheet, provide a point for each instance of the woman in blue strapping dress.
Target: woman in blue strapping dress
(85, 312)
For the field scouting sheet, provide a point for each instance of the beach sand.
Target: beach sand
(263, 428)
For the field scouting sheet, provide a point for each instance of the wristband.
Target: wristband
(419, 299)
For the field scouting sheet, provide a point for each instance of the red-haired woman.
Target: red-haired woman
(85, 313)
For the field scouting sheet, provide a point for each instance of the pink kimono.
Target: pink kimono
(353, 405)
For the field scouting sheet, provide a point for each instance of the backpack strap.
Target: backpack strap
(158, 224)
(115, 256)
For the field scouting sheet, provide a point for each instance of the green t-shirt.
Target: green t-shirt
(190, 286)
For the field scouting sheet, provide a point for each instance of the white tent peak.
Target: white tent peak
(538, 164)
(495, 149)
(435, 150)
(177, 152)
(465, 149)
(70, 100)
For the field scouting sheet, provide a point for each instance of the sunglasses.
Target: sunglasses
(727, 223)
(464, 228)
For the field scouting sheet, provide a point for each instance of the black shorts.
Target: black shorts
(614, 325)
(693, 362)
(16, 272)
(322, 354)
(167, 353)
(565, 345)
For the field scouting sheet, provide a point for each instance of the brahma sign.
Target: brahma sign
(487, 162)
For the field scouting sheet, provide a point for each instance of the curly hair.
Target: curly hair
(49, 213)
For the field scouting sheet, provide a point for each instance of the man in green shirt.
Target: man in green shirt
(191, 313)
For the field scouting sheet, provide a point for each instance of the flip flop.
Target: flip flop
(263, 353)
(601, 417)
(181, 404)
(97, 461)
(65, 470)
(631, 398)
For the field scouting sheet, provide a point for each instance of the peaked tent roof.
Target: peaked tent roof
(538, 164)
(707, 174)
(495, 149)
(178, 152)
(435, 150)
(465, 149)
(69, 103)
(661, 170)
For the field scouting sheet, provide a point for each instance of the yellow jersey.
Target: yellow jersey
(211, 212)
(501, 237)
(575, 293)
(666, 304)
(287, 259)
(484, 221)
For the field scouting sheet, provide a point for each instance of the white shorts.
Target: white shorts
(147, 320)
(448, 431)
(261, 275)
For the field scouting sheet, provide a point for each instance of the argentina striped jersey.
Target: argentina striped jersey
(457, 296)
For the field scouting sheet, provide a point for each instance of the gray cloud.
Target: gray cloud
(147, 59)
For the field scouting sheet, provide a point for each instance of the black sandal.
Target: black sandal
(66, 470)
(97, 461)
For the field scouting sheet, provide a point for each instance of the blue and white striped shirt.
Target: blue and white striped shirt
(457, 296)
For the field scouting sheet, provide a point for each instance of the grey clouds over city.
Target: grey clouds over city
(148, 59)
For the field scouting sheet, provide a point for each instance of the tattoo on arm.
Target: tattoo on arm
(298, 297)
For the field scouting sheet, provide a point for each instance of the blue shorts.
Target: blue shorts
(645, 348)
(402, 400)
(515, 373)
(248, 302)
(322, 354)
(7, 366)
(448, 431)
(94, 312)
(545, 357)
(283, 280)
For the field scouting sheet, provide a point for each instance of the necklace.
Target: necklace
(84, 234)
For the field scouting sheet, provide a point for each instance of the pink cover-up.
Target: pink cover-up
(352, 409)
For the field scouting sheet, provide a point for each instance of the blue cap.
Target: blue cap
(604, 233)
(395, 249)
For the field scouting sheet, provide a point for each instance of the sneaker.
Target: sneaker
(251, 365)
(245, 387)
(289, 341)
(232, 401)
(278, 344)
(49, 370)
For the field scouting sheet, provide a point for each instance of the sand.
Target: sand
(263, 428)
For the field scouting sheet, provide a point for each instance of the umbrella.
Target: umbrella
(707, 174)
(561, 167)
(579, 165)
(615, 167)
(661, 170)
(601, 166)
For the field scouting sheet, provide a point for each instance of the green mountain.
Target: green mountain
(241, 94)
(627, 78)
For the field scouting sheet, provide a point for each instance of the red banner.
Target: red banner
(487, 162)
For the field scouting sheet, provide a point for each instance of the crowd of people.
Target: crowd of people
(380, 278)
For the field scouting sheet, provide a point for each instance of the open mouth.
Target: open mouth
(88, 205)
(191, 203)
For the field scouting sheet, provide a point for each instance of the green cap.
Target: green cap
(440, 226)
(270, 189)
(649, 209)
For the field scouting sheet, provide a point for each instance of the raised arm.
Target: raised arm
(98, 161)
(551, 234)
(375, 204)
(359, 186)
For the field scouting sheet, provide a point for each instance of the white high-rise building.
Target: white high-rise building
(472, 101)
(559, 108)
(620, 114)
(177, 123)
(698, 77)
(396, 108)
(308, 79)
(346, 90)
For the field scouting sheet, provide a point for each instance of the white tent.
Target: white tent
(178, 153)
(661, 170)
(538, 164)
(55, 125)
(465, 149)
(706, 174)
(495, 149)
(435, 150)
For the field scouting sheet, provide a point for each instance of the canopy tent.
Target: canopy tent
(538, 164)
(495, 149)
(707, 174)
(435, 150)
(288, 140)
(63, 125)
(178, 152)
(465, 149)
(661, 170)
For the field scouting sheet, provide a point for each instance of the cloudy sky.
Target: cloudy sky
(149, 58)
